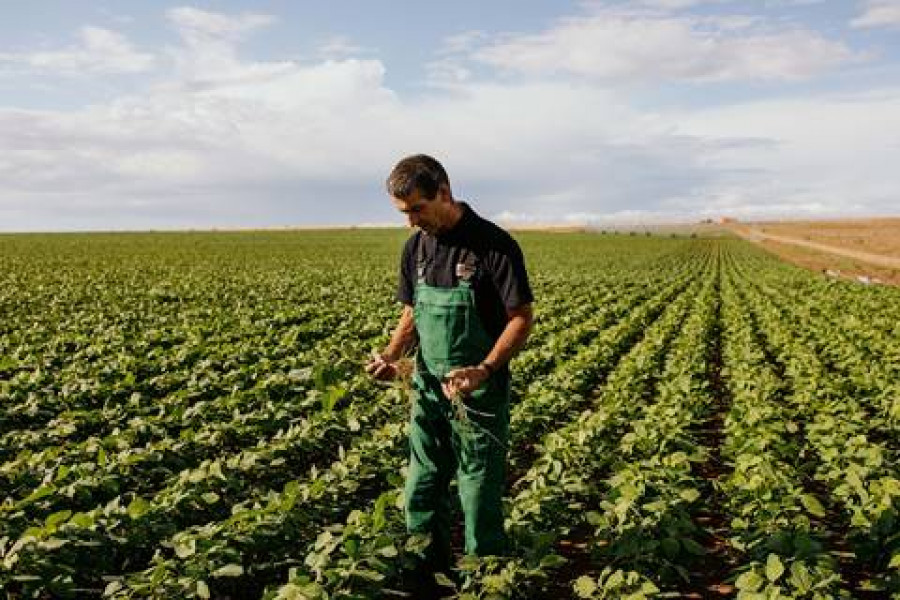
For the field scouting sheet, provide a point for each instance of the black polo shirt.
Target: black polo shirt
(475, 249)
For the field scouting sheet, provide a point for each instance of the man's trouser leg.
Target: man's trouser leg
(481, 443)
(432, 464)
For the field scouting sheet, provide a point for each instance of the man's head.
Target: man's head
(420, 189)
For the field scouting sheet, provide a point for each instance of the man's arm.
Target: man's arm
(511, 340)
(513, 337)
(404, 337)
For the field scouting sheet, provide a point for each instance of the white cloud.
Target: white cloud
(671, 4)
(879, 13)
(314, 129)
(450, 68)
(227, 141)
(194, 148)
(338, 47)
(783, 3)
(618, 46)
(197, 25)
(827, 154)
(645, 7)
(99, 52)
(209, 55)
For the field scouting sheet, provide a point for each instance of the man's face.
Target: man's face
(422, 213)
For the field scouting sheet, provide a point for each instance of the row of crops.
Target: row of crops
(186, 416)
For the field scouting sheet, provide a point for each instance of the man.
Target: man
(467, 302)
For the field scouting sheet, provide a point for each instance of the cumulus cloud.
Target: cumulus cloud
(226, 140)
(220, 130)
(879, 13)
(622, 46)
(810, 161)
(99, 52)
(338, 47)
(200, 26)
(209, 54)
(334, 129)
(672, 4)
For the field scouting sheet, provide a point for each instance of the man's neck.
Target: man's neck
(455, 213)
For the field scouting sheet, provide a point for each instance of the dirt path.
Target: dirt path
(881, 260)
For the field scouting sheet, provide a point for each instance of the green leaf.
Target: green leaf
(553, 561)
(210, 497)
(774, 568)
(62, 472)
(749, 582)
(185, 547)
(215, 470)
(53, 543)
(351, 548)
(648, 588)
(468, 563)
(614, 580)
(895, 561)
(689, 495)
(800, 577)
(232, 570)
(112, 587)
(202, 589)
(370, 575)
(379, 519)
(138, 507)
(57, 518)
(82, 520)
(594, 518)
(585, 587)
(812, 505)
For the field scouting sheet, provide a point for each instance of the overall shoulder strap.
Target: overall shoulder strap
(423, 256)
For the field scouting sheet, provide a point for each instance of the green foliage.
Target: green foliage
(185, 415)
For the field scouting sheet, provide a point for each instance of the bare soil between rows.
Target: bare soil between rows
(866, 251)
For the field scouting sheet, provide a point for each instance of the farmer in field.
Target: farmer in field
(467, 303)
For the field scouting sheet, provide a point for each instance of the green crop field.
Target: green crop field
(185, 415)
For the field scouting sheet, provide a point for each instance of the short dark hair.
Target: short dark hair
(419, 172)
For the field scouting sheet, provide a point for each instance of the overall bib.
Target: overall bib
(442, 444)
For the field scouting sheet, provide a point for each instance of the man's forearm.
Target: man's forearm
(403, 337)
(511, 340)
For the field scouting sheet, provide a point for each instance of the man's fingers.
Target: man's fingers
(380, 368)
(384, 371)
(458, 381)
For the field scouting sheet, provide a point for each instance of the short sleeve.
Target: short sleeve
(406, 285)
(510, 276)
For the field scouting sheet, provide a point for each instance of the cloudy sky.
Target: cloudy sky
(145, 114)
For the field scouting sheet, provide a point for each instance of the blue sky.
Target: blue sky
(140, 115)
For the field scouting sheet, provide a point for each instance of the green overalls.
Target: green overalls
(442, 445)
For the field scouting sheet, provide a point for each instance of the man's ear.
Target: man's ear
(443, 193)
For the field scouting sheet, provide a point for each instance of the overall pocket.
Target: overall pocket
(442, 330)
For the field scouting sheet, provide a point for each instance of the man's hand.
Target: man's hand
(390, 364)
(382, 367)
(463, 381)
